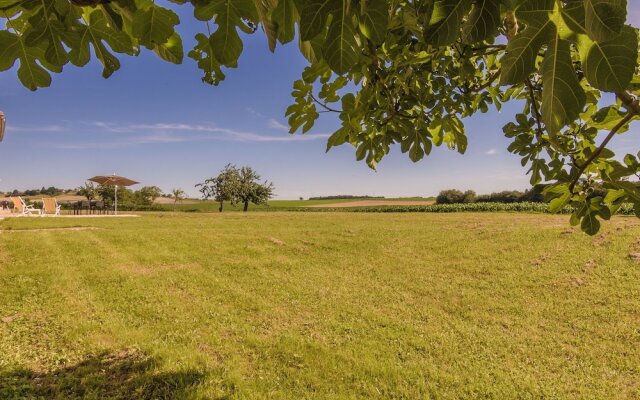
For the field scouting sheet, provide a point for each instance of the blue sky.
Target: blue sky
(157, 123)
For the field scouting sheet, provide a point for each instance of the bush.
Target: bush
(451, 196)
(506, 196)
(469, 197)
(454, 196)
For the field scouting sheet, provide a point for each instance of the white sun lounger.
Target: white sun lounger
(23, 208)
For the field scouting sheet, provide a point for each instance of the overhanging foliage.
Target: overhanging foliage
(401, 72)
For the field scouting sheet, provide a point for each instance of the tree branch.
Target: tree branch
(511, 25)
(490, 46)
(534, 106)
(323, 105)
(630, 102)
(488, 83)
(600, 148)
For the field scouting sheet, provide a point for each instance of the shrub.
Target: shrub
(451, 196)
(469, 197)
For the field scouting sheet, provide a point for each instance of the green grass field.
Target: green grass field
(211, 206)
(319, 305)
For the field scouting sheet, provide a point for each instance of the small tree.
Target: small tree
(178, 195)
(250, 190)
(469, 196)
(108, 194)
(222, 187)
(89, 191)
(147, 195)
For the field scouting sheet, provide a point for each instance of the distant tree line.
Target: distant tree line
(50, 191)
(454, 196)
(344, 197)
(237, 186)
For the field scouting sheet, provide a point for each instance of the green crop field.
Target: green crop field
(274, 205)
(212, 206)
(319, 305)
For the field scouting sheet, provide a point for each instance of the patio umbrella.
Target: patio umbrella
(113, 180)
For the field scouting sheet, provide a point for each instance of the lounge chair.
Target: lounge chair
(50, 206)
(23, 208)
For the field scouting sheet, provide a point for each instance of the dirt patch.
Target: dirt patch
(589, 266)
(73, 228)
(373, 203)
(634, 251)
(11, 318)
(540, 261)
(577, 282)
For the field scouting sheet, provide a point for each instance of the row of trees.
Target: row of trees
(50, 191)
(126, 197)
(237, 186)
(454, 196)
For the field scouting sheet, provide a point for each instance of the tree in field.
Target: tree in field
(222, 187)
(88, 190)
(147, 195)
(250, 190)
(107, 193)
(178, 196)
(396, 72)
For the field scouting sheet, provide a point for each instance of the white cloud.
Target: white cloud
(131, 141)
(491, 152)
(277, 125)
(157, 133)
(42, 128)
(212, 132)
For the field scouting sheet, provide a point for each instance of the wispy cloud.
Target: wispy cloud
(37, 129)
(255, 113)
(209, 132)
(114, 135)
(277, 125)
(129, 141)
(491, 152)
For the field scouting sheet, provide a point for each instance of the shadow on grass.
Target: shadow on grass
(127, 374)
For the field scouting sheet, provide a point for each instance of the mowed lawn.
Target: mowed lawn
(319, 305)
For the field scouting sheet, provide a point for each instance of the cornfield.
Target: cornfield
(625, 209)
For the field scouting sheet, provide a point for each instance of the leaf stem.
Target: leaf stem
(600, 148)
(323, 105)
